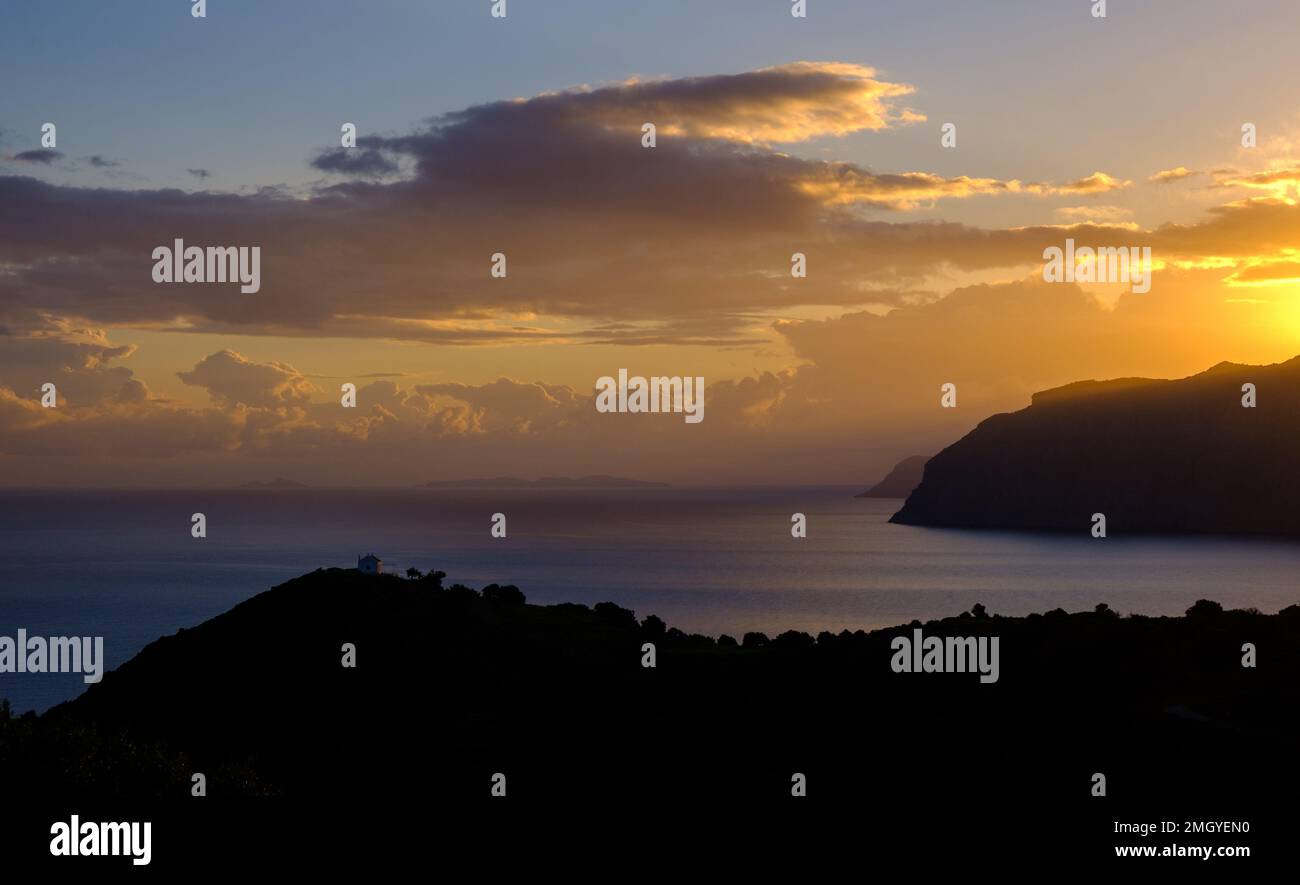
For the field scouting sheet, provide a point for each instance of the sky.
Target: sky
(522, 135)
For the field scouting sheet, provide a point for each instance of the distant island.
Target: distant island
(900, 482)
(597, 481)
(277, 483)
(1182, 456)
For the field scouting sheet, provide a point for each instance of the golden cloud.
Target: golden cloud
(1168, 175)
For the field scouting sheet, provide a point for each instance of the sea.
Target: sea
(124, 565)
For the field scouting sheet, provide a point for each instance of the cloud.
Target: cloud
(607, 242)
(127, 432)
(1266, 273)
(509, 405)
(837, 184)
(864, 391)
(783, 104)
(232, 379)
(43, 156)
(77, 361)
(1176, 174)
(1105, 214)
(102, 411)
(1279, 181)
(1096, 183)
(356, 162)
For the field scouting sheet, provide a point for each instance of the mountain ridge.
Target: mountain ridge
(1153, 455)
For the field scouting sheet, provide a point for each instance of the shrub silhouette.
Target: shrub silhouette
(461, 593)
(792, 639)
(1204, 608)
(507, 594)
(616, 614)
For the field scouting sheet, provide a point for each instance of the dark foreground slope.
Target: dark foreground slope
(451, 687)
(1153, 456)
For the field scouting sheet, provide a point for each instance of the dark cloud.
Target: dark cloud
(607, 242)
(360, 162)
(44, 156)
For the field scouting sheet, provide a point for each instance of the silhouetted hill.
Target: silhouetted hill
(452, 685)
(905, 476)
(598, 481)
(1153, 456)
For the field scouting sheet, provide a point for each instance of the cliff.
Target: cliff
(900, 482)
(1179, 456)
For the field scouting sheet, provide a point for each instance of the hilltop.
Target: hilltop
(452, 685)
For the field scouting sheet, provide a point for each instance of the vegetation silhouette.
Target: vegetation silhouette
(452, 685)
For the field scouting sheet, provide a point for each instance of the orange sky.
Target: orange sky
(673, 260)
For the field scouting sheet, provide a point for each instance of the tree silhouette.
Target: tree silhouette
(616, 614)
(653, 626)
(508, 594)
(793, 639)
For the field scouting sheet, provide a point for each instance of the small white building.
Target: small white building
(370, 564)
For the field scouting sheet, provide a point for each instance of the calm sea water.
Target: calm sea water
(123, 564)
